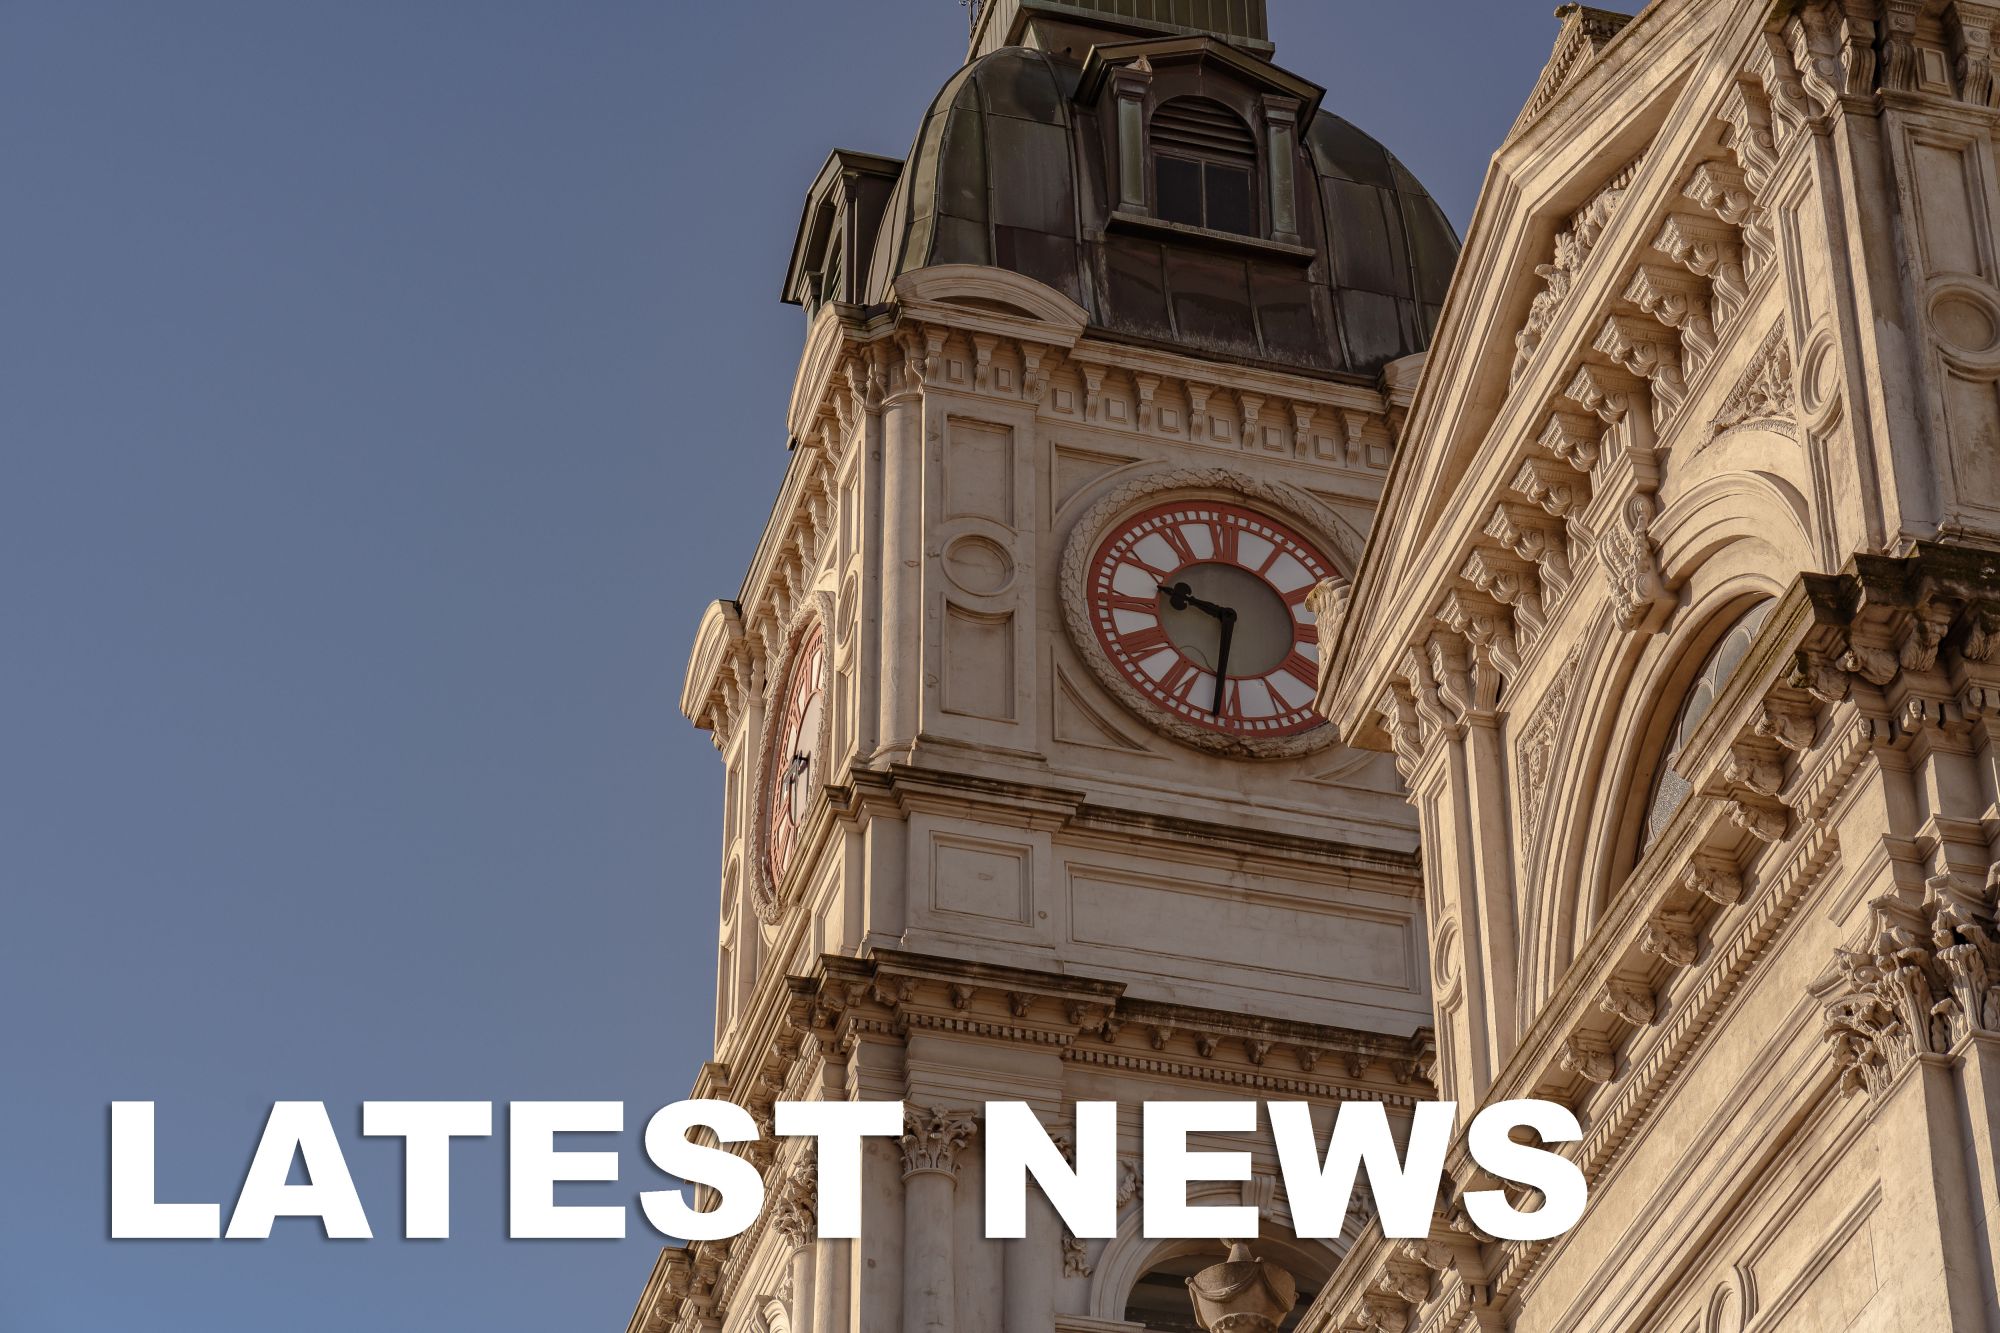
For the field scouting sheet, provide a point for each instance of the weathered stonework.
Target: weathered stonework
(1679, 623)
(1767, 987)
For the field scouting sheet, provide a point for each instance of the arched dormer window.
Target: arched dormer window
(1204, 166)
(1669, 787)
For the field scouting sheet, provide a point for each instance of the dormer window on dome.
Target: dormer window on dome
(1201, 136)
(1204, 166)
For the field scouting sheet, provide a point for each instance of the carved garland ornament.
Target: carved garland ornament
(1286, 502)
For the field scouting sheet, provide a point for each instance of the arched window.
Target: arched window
(1669, 787)
(1204, 165)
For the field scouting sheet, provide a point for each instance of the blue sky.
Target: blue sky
(384, 389)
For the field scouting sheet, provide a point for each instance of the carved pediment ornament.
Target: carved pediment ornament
(1569, 250)
(1632, 562)
(1764, 391)
(1535, 755)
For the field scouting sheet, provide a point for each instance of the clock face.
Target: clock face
(1201, 605)
(792, 767)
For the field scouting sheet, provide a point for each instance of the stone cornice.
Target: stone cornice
(891, 993)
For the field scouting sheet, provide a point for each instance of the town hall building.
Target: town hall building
(1219, 638)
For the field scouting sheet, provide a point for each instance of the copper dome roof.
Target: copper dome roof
(1008, 170)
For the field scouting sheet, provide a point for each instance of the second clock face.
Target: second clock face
(1201, 605)
(792, 766)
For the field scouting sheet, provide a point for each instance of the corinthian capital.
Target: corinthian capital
(932, 1137)
(795, 1213)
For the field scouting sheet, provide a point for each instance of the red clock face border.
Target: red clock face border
(1151, 549)
(790, 785)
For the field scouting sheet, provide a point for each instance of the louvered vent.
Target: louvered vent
(1204, 164)
(1201, 128)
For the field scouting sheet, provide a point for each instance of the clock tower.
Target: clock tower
(1025, 794)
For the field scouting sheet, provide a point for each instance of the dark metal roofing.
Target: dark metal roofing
(1007, 170)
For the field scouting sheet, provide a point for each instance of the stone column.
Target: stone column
(932, 1138)
(794, 1217)
(898, 653)
(829, 1305)
(1128, 87)
(1029, 1295)
(1281, 141)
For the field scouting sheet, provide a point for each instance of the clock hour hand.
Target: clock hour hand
(1181, 597)
(800, 763)
(1222, 661)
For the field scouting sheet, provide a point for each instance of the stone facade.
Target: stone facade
(1752, 398)
(1659, 772)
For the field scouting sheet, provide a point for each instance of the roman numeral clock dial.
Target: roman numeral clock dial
(1201, 606)
(792, 761)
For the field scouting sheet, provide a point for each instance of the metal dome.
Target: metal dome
(1009, 170)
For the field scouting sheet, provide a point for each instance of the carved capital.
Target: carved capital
(932, 1138)
(1923, 980)
(794, 1213)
